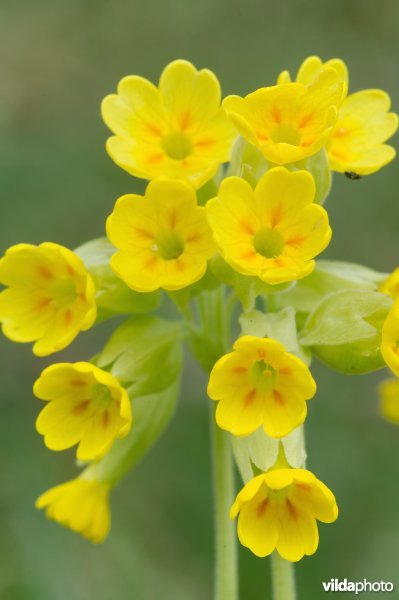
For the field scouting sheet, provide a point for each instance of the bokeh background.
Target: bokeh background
(57, 60)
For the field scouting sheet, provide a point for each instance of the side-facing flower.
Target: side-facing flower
(291, 121)
(176, 131)
(364, 122)
(389, 400)
(81, 505)
(273, 232)
(86, 406)
(260, 383)
(278, 510)
(390, 339)
(390, 285)
(164, 240)
(50, 296)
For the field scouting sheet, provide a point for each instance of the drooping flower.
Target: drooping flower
(86, 406)
(364, 122)
(272, 232)
(81, 505)
(278, 510)
(164, 240)
(390, 339)
(390, 285)
(260, 383)
(176, 131)
(389, 400)
(291, 121)
(50, 296)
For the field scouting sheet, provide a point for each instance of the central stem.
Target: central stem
(226, 580)
(283, 578)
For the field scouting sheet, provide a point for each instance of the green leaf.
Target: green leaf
(345, 317)
(144, 352)
(113, 295)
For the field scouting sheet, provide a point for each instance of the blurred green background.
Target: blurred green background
(57, 60)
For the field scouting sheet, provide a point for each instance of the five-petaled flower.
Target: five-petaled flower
(272, 232)
(260, 383)
(86, 406)
(291, 121)
(50, 296)
(278, 510)
(177, 131)
(390, 338)
(164, 240)
(364, 122)
(81, 505)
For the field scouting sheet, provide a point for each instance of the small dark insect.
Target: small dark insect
(352, 175)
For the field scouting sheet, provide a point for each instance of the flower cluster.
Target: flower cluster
(232, 216)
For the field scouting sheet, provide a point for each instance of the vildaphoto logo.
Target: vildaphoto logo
(336, 585)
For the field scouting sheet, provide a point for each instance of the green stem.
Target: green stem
(226, 572)
(283, 578)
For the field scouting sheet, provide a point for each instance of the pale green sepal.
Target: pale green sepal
(329, 276)
(144, 353)
(346, 317)
(280, 326)
(318, 166)
(259, 451)
(113, 295)
(247, 288)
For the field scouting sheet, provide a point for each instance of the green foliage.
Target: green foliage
(144, 353)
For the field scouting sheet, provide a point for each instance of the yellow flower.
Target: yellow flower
(176, 131)
(272, 232)
(86, 406)
(278, 510)
(291, 121)
(260, 383)
(363, 125)
(50, 296)
(390, 285)
(390, 339)
(81, 505)
(163, 239)
(389, 400)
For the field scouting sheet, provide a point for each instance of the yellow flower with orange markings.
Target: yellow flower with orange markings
(291, 121)
(164, 240)
(86, 406)
(390, 339)
(390, 285)
(273, 232)
(260, 384)
(177, 130)
(81, 505)
(50, 296)
(389, 400)
(364, 122)
(278, 511)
